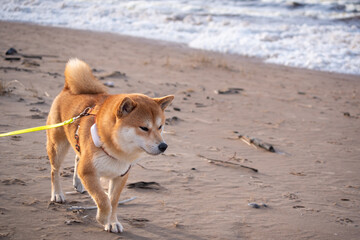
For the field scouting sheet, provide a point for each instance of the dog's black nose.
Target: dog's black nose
(162, 147)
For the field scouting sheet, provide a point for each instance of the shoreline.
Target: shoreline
(312, 191)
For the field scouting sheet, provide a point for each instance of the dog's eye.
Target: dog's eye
(160, 127)
(145, 129)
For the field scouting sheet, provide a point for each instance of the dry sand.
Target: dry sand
(311, 188)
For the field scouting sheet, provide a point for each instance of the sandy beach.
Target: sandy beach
(308, 189)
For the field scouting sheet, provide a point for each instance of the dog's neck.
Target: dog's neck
(98, 143)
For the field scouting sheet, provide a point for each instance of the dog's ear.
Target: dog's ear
(127, 106)
(164, 101)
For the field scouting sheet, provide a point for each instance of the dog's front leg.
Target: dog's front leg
(116, 186)
(92, 184)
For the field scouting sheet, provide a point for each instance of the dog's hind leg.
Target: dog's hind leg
(76, 180)
(57, 147)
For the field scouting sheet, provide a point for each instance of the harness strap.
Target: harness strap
(88, 111)
(126, 171)
(77, 145)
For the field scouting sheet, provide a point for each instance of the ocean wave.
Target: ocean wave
(314, 34)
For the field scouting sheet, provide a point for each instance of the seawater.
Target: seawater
(315, 34)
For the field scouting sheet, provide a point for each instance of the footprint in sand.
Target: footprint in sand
(13, 181)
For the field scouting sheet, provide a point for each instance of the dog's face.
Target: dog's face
(140, 124)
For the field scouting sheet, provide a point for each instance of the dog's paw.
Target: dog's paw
(58, 198)
(114, 227)
(78, 186)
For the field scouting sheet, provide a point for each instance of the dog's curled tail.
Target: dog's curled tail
(80, 80)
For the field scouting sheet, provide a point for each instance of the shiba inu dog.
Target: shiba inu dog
(113, 133)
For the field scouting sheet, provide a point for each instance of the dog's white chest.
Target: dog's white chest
(109, 167)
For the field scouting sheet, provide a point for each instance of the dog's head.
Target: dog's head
(139, 124)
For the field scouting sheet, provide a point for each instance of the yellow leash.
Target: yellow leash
(34, 129)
